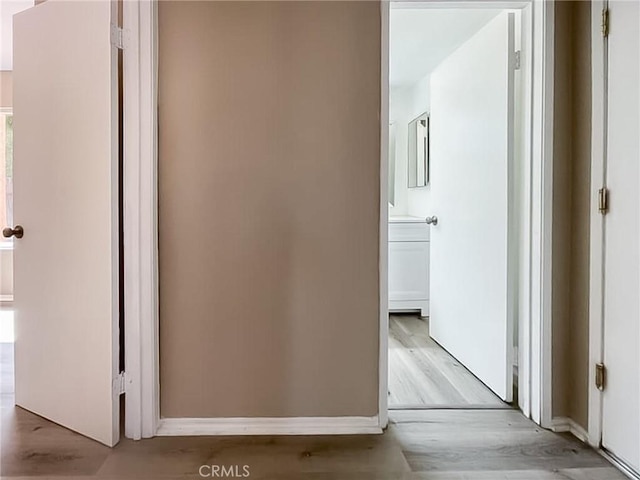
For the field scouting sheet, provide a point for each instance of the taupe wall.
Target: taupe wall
(572, 194)
(6, 89)
(269, 117)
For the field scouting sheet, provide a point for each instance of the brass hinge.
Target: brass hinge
(117, 37)
(600, 376)
(120, 384)
(603, 200)
(605, 22)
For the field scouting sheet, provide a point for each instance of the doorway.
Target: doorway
(456, 172)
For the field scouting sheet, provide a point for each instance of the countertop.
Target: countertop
(405, 219)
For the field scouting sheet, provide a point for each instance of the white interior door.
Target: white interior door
(66, 178)
(471, 153)
(621, 396)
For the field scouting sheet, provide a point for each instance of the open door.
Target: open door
(471, 154)
(621, 394)
(66, 199)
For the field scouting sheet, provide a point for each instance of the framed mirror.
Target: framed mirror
(418, 161)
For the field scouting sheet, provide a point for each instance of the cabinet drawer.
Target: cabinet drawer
(408, 232)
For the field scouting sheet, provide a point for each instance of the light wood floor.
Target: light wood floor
(418, 445)
(422, 373)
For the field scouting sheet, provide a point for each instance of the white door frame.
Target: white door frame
(596, 260)
(534, 353)
(140, 218)
(142, 402)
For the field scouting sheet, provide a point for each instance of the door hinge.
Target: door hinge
(603, 200)
(600, 376)
(117, 37)
(120, 383)
(516, 59)
(605, 22)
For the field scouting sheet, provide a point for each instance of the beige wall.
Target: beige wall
(269, 208)
(572, 160)
(6, 89)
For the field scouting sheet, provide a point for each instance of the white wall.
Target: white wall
(7, 10)
(398, 114)
(405, 104)
(6, 273)
(418, 198)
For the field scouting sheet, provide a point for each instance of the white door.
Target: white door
(66, 178)
(471, 120)
(621, 396)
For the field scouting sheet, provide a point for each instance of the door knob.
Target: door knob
(432, 220)
(9, 232)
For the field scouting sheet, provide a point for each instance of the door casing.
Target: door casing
(142, 419)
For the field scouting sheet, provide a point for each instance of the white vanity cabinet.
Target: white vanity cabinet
(408, 264)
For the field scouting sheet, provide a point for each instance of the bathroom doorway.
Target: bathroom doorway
(456, 181)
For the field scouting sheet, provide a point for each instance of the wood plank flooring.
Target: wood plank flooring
(422, 373)
(418, 445)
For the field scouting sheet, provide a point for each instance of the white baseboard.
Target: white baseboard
(398, 306)
(564, 424)
(269, 426)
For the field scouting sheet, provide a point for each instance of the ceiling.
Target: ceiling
(419, 39)
(7, 9)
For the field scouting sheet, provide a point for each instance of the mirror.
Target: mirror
(392, 164)
(418, 161)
